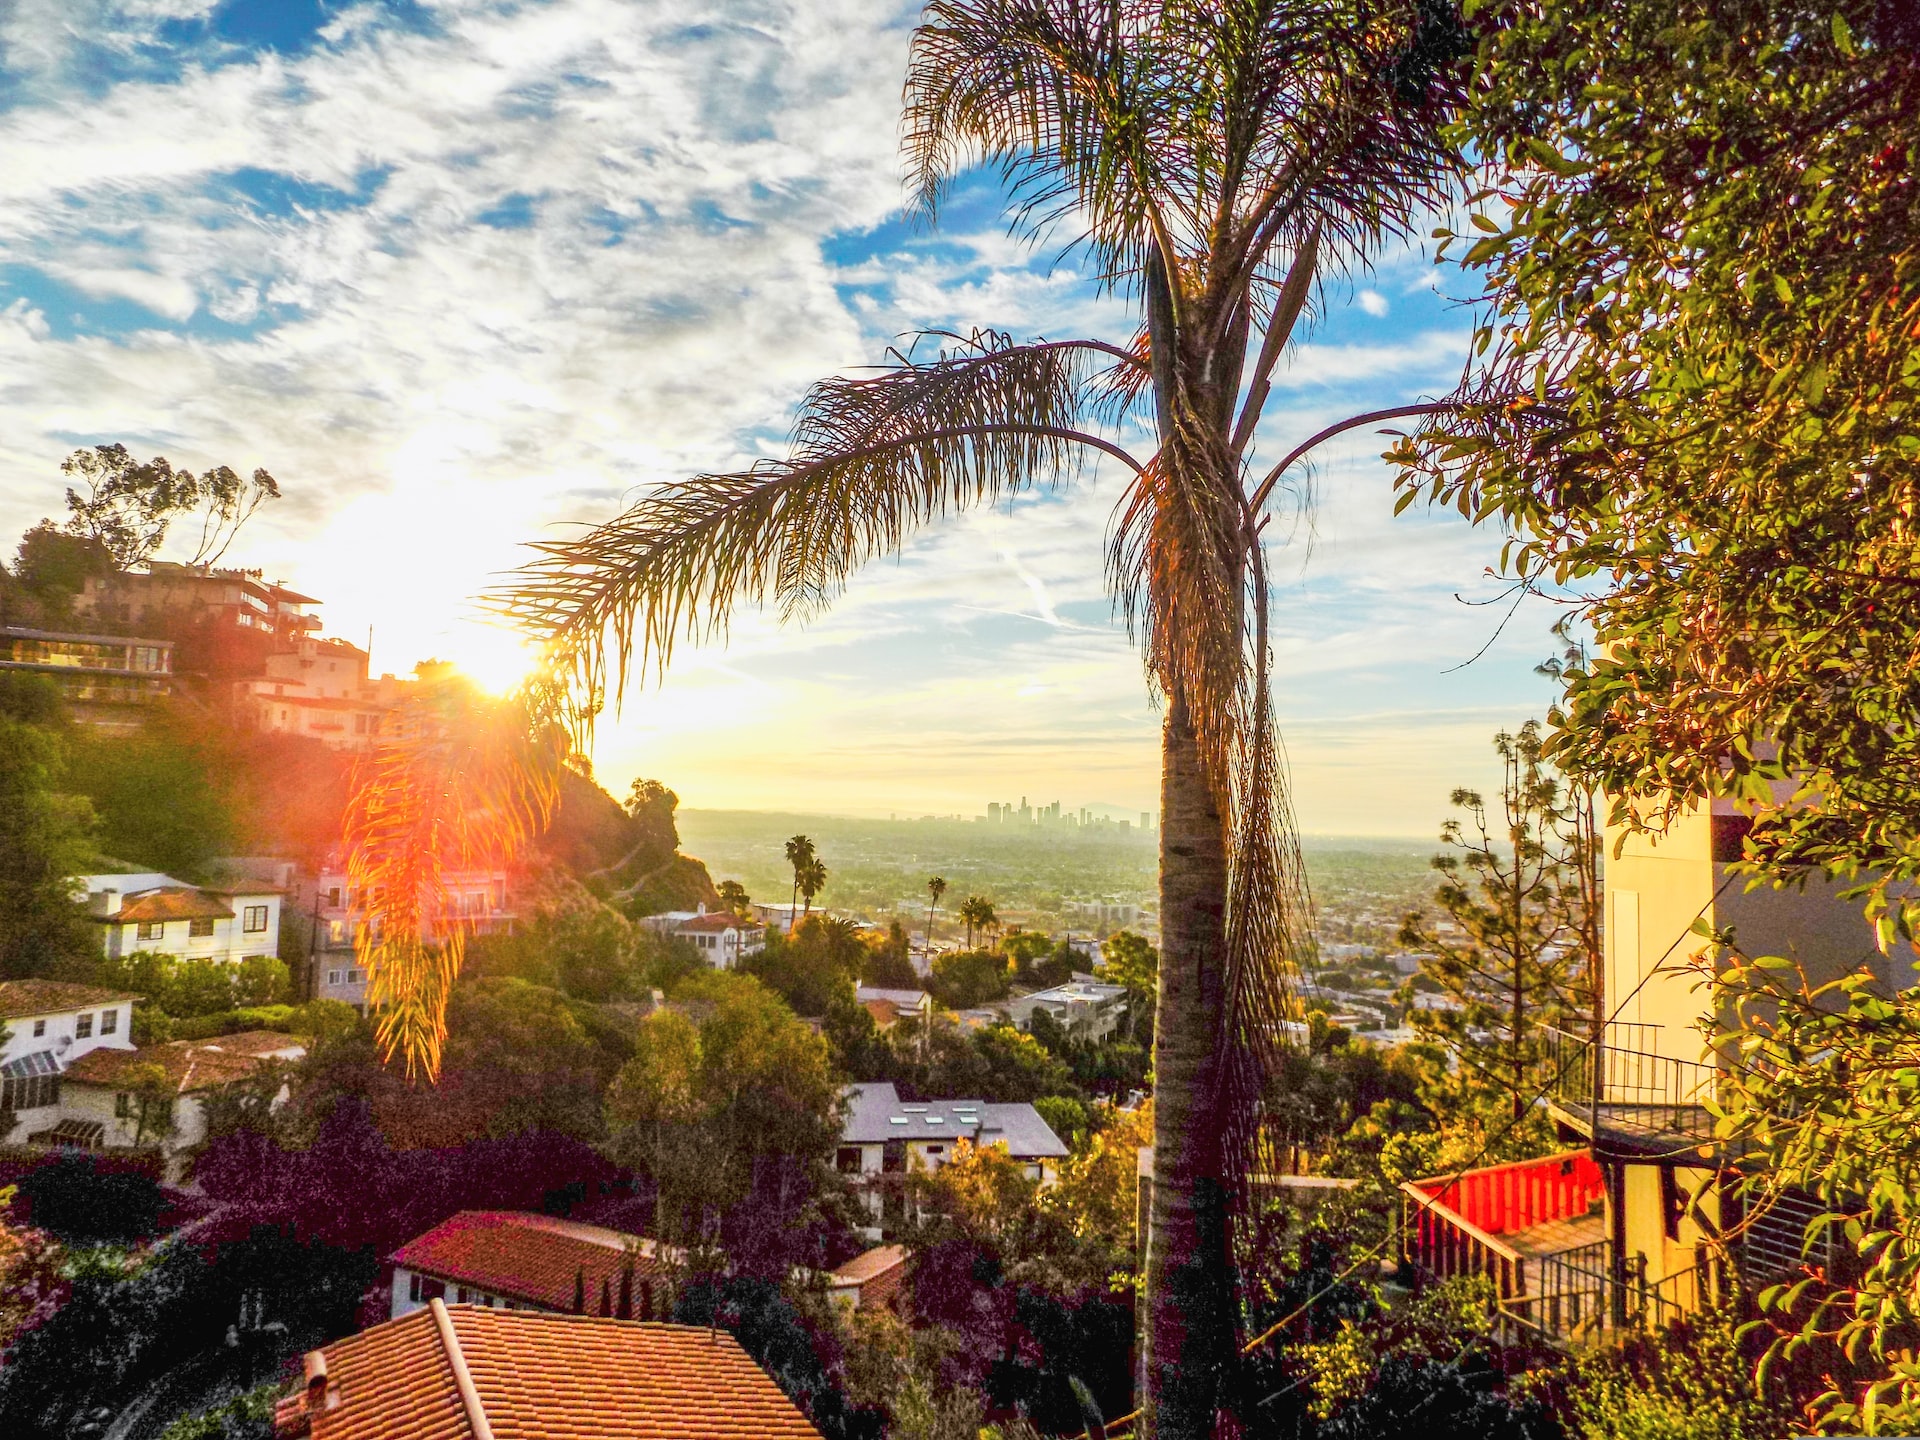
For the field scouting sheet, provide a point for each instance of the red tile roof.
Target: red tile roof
(169, 902)
(531, 1376)
(190, 1064)
(876, 1277)
(532, 1258)
(53, 997)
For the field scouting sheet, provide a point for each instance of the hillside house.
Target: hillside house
(49, 1025)
(320, 689)
(518, 1260)
(875, 1279)
(105, 680)
(102, 1105)
(1086, 1008)
(884, 1136)
(224, 622)
(1623, 1230)
(889, 1007)
(448, 1371)
(157, 913)
(480, 900)
(721, 937)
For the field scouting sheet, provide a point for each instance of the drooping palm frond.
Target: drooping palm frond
(873, 459)
(457, 781)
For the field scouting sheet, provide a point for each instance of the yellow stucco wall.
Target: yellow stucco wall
(1655, 888)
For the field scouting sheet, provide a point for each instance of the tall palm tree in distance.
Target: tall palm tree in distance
(1212, 160)
(936, 887)
(799, 856)
(812, 879)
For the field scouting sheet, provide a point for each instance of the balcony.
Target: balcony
(1534, 1228)
(1636, 1100)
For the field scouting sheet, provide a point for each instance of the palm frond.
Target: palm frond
(873, 459)
(457, 781)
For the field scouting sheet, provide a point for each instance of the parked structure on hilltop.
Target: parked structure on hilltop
(722, 938)
(155, 912)
(514, 1260)
(465, 1370)
(1625, 1231)
(107, 681)
(884, 1136)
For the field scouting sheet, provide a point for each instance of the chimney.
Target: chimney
(320, 1396)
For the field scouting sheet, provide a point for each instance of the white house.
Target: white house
(888, 1006)
(49, 1025)
(884, 1135)
(100, 1106)
(158, 913)
(1086, 1008)
(722, 938)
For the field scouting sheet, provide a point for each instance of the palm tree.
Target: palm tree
(799, 856)
(977, 912)
(812, 879)
(1212, 158)
(936, 887)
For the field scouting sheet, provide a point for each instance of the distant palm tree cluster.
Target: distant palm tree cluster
(809, 871)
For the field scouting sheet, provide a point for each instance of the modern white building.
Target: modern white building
(157, 913)
(49, 1025)
(722, 938)
(1086, 1008)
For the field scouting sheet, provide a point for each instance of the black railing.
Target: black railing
(1638, 1088)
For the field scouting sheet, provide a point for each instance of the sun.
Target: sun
(495, 659)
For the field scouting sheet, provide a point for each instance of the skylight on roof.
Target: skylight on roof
(896, 1119)
(936, 1119)
(914, 1109)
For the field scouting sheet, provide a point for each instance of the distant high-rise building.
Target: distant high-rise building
(993, 813)
(1146, 819)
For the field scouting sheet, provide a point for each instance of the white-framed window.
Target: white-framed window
(200, 929)
(150, 930)
(255, 921)
(39, 1028)
(123, 1106)
(333, 977)
(354, 977)
(83, 1027)
(32, 1092)
(109, 1021)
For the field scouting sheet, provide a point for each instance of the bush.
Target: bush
(232, 1022)
(85, 1202)
(262, 980)
(966, 978)
(245, 1417)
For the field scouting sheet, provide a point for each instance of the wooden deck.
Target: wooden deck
(1556, 1237)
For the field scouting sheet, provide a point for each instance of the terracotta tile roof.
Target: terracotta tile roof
(528, 1257)
(885, 1013)
(532, 1376)
(715, 923)
(52, 997)
(190, 1064)
(169, 902)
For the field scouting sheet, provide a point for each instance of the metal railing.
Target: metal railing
(1638, 1088)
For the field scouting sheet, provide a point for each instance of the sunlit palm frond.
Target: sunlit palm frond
(457, 781)
(874, 458)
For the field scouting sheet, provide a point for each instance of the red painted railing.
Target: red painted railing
(1504, 1198)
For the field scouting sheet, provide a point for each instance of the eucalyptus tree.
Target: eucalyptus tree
(1212, 160)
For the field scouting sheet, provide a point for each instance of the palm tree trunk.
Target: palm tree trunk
(1190, 1296)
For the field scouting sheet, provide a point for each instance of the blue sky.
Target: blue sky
(461, 272)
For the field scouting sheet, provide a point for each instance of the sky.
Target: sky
(462, 274)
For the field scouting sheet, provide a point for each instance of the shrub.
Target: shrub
(245, 1417)
(86, 1202)
(262, 980)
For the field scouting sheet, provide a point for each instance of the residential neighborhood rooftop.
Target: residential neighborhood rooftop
(453, 1372)
(51, 997)
(181, 902)
(189, 1065)
(530, 1257)
(877, 1114)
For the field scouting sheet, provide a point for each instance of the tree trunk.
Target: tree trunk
(1190, 1295)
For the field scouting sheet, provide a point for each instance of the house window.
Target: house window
(847, 1160)
(359, 724)
(149, 930)
(39, 1028)
(109, 1021)
(354, 977)
(33, 1092)
(333, 977)
(200, 929)
(83, 1027)
(123, 1106)
(333, 896)
(256, 919)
